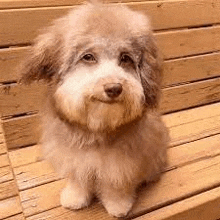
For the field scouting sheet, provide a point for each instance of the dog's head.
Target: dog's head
(102, 63)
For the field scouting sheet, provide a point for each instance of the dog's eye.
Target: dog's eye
(89, 58)
(126, 59)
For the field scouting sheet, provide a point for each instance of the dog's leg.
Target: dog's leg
(76, 195)
(118, 202)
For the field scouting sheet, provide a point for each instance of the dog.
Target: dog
(101, 126)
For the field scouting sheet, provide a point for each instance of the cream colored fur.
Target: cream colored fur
(105, 142)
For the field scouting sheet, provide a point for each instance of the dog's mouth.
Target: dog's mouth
(105, 100)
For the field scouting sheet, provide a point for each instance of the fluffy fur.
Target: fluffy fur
(101, 126)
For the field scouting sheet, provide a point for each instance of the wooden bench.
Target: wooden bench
(188, 33)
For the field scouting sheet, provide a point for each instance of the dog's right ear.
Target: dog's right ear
(43, 59)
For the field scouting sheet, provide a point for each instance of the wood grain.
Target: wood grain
(200, 207)
(184, 126)
(9, 62)
(93, 212)
(185, 182)
(25, 156)
(21, 26)
(4, 161)
(34, 174)
(191, 69)
(190, 95)
(41, 198)
(188, 42)
(10, 207)
(19, 99)
(22, 131)
(175, 71)
(6, 174)
(8, 189)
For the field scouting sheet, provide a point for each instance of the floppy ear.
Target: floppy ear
(43, 59)
(150, 71)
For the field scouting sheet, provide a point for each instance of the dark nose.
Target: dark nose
(113, 90)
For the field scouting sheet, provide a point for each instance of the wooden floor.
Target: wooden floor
(189, 189)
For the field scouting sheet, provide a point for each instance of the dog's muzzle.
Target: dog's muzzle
(113, 90)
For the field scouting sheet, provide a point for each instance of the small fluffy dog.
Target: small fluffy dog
(101, 126)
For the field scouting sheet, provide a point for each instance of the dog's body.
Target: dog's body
(101, 126)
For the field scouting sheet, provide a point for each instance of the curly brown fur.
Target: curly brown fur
(101, 126)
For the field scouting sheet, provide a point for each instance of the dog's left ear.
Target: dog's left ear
(43, 59)
(150, 68)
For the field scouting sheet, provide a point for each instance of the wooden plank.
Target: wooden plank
(200, 207)
(10, 207)
(191, 115)
(41, 198)
(93, 212)
(25, 156)
(6, 4)
(180, 13)
(34, 174)
(184, 182)
(190, 95)
(3, 148)
(192, 131)
(9, 60)
(16, 217)
(175, 71)
(6, 174)
(191, 69)
(22, 131)
(20, 26)
(14, 99)
(4, 161)
(19, 99)
(188, 42)
(194, 151)
(8, 189)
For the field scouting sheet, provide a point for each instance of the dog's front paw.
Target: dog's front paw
(74, 198)
(119, 208)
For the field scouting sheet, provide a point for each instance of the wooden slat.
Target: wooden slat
(191, 69)
(184, 182)
(9, 60)
(188, 42)
(14, 99)
(6, 174)
(4, 161)
(6, 4)
(194, 151)
(204, 206)
(34, 174)
(19, 99)
(23, 130)
(93, 212)
(2, 148)
(20, 26)
(190, 95)
(41, 198)
(25, 156)
(8, 189)
(10, 207)
(16, 217)
(180, 13)
(175, 71)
